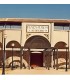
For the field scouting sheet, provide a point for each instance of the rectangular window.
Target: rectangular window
(58, 27)
(2, 27)
(61, 26)
(15, 27)
(7, 26)
(10, 25)
(66, 28)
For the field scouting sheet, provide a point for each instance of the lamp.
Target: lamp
(12, 44)
(3, 71)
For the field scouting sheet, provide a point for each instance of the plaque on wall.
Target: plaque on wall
(37, 28)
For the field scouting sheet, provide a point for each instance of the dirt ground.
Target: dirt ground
(35, 71)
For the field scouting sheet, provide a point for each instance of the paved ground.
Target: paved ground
(36, 71)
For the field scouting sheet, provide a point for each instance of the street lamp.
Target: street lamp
(3, 71)
(12, 54)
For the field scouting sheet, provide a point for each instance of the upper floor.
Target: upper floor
(17, 23)
(21, 29)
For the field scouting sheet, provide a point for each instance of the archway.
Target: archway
(36, 42)
(16, 48)
(16, 44)
(13, 49)
(60, 44)
(61, 53)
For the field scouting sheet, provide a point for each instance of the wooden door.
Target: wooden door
(36, 59)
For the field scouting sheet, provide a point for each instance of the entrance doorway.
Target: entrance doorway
(36, 59)
(36, 42)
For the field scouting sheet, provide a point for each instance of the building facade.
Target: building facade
(34, 35)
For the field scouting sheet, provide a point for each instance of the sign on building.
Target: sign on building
(37, 28)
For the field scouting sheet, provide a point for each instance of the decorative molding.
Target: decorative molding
(47, 36)
(27, 35)
(37, 28)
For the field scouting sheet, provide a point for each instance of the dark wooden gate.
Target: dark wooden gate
(36, 59)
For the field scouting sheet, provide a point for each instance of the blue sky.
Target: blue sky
(56, 11)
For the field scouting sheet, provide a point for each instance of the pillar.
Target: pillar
(44, 58)
(28, 51)
(66, 58)
(56, 59)
(21, 52)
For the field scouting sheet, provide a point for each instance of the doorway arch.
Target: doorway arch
(36, 42)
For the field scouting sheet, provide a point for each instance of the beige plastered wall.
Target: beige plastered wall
(59, 35)
(21, 35)
(24, 33)
(1, 36)
(13, 34)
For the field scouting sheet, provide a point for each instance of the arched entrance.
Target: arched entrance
(61, 53)
(36, 42)
(13, 49)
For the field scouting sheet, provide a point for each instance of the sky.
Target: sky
(51, 11)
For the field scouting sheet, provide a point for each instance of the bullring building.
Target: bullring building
(34, 42)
